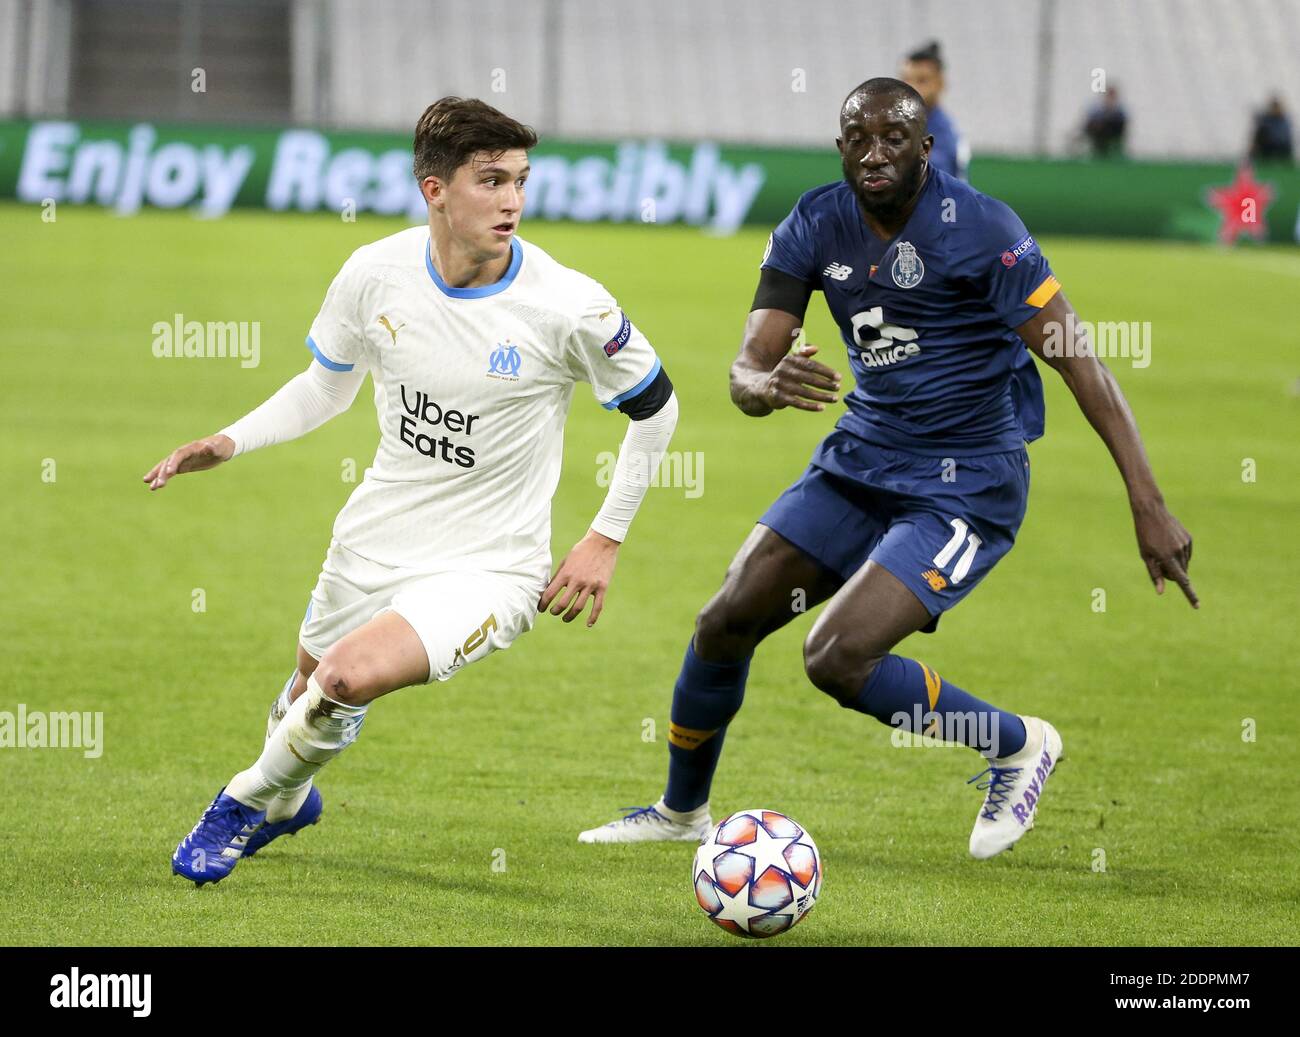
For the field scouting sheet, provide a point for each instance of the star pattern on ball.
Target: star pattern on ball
(744, 880)
(767, 851)
(709, 853)
(738, 909)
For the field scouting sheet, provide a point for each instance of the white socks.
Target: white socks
(280, 707)
(286, 804)
(313, 732)
(680, 818)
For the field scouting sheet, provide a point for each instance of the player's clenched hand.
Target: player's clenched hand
(799, 381)
(192, 457)
(585, 573)
(1166, 548)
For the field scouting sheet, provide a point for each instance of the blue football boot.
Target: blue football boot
(213, 847)
(308, 814)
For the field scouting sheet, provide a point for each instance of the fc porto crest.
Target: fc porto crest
(908, 269)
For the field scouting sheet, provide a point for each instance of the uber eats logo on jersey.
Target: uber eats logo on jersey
(421, 411)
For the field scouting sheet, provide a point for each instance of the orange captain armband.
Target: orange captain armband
(1042, 295)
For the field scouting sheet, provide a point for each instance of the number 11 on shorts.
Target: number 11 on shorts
(961, 531)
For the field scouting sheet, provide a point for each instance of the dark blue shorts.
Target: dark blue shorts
(938, 524)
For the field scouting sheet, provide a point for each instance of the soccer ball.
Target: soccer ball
(757, 874)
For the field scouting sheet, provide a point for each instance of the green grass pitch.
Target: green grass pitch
(1196, 822)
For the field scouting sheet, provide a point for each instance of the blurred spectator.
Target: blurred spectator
(1105, 124)
(1271, 139)
(923, 72)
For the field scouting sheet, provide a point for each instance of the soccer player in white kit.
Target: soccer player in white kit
(474, 339)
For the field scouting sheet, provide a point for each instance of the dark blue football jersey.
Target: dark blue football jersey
(927, 316)
(948, 152)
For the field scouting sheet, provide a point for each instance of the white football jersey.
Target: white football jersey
(472, 386)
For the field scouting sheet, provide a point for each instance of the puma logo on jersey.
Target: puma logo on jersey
(392, 330)
(837, 272)
(605, 314)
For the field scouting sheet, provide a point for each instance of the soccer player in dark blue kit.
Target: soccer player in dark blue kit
(920, 489)
(923, 72)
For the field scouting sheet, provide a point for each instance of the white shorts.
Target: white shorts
(460, 616)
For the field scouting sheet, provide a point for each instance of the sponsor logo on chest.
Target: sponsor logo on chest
(425, 424)
(883, 344)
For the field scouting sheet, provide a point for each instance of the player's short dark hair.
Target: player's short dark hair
(884, 86)
(930, 52)
(452, 129)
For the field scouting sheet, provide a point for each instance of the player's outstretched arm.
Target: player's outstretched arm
(1165, 546)
(768, 376)
(586, 571)
(303, 403)
(197, 456)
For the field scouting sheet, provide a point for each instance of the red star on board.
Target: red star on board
(1242, 204)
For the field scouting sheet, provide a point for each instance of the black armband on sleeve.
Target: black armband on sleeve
(650, 399)
(780, 291)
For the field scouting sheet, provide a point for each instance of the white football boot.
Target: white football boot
(652, 824)
(1014, 790)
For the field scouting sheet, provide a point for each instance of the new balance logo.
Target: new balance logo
(837, 272)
